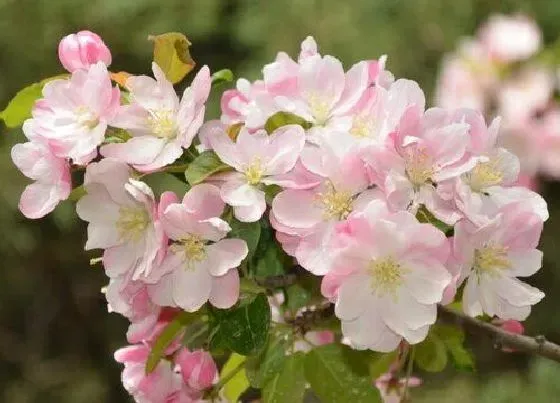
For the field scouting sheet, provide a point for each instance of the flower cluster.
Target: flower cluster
(392, 206)
(503, 71)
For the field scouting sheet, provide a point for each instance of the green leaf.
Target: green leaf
(263, 367)
(243, 329)
(222, 76)
(19, 108)
(168, 334)
(204, 165)
(431, 354)
(171, 53)
(337, 375)
(288, 386)
(272, 262)
(297, 297)
(239, 382)
(380, 364)
(250, 232)
(425, 216)
(454, 338)
(280, 119)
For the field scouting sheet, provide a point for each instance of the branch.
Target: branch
(533, 345)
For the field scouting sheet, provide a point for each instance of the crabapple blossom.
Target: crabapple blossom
(122, 216)
(492, 256)
(387, 277)
(81, 50)
(160, 124)
(200, 264)
(259, 160)
(491, 183)
(130, 298)
(51, 174)
(74, 113)
(198, 368)
(305, 219)
(510, 38)
(426, 149)
(155, 387)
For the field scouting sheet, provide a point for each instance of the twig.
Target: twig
(534, 345)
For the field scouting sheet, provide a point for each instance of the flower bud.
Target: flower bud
(81, 50)
(197, 368)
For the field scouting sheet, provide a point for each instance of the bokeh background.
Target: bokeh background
(56, 337)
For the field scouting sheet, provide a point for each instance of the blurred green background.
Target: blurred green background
(56, 337)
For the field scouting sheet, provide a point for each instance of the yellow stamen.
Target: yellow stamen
(386, 276)
(320, 108)
(484, 175)
(86, 117)
(193, 249)
(254, 172)
(132, 222)
(419, 167)
(361, 126)
(336, 204)
(491, 259)
(162, 123)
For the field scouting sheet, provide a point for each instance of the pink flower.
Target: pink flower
(198, 368)
(490, 184)
(130, 298)
(81, 50)
(50, 173)
(392, 389)
(155, 387)
(510, 38)
(249, 103)
(122, 216)
(160, 124)
(325, 94)
(458, 85)
(387, 278)
(377, 114)
(492, 256)
(306, 219)
(259, 159)
(74, 113)
(200, 265)
(426, 149)
(525, 94)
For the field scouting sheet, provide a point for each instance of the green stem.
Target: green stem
(409, 366)
(226, 378)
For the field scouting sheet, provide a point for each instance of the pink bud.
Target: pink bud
(511, 326)
(81, 50)
(198, 368)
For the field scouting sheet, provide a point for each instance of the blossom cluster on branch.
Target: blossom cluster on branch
(504, 71)
(388, 209)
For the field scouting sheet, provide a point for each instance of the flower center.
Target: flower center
(254, 172)
(193, 249)
(361, 127)
(419, 167)
(162, 123)
(132, 223)
(491, 259)
(320, 108)
(386, 276)
(86, 118)
(336, 205)
(484, 175)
